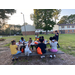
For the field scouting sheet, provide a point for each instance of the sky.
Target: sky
(17, 18)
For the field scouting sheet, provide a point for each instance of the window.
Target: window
(68, 31)
(72, 26)
(62, 26)
(68, 26)
(72, 30)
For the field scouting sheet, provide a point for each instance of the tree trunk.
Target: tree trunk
(55, 21)
(46, 32)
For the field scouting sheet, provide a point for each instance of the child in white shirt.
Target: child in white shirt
(53, 45)
(27, 49)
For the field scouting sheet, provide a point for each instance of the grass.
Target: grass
(66, 41)
(7, 45)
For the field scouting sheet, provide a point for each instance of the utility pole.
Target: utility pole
(24, 23)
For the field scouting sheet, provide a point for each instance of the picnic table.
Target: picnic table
(33, 44)
(35, 53)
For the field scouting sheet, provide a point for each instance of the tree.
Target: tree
(56, 14)
(71, 18)
(4, 12)
(43, 18)
(7, 31)
(63, 20)
(67, 19)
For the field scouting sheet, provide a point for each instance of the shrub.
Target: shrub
(40, 32)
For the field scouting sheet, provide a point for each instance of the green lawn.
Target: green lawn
(66, 41)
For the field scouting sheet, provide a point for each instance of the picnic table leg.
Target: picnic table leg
(36, 47)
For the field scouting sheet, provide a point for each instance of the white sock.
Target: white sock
(51, 56)
(42, 56)
(54, 55)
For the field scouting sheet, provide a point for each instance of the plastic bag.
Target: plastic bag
(39, 51)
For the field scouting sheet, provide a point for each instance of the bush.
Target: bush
(40, 32)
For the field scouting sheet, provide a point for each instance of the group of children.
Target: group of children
(41, 45)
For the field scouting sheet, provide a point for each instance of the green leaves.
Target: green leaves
(67, 19)
(43, 18)
(4, 12)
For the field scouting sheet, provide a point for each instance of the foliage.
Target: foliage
(56, 14)
(4, 12)
(67, 19)
(40, 32)
(43, 19)
(9, 31)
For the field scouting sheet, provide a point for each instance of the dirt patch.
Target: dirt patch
(7, 41)
(61, 59)
(2, 39)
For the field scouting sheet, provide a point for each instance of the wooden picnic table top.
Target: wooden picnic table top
(31, 44)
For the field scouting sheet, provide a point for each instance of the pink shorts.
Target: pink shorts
(53, 50)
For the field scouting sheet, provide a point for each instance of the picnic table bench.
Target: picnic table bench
(35, 54)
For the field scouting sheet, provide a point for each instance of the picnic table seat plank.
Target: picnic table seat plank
(35, 54)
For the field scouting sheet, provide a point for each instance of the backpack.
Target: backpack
(39, 51)
(36, 42)
(22, 50)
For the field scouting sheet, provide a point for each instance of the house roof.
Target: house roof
(65, 24)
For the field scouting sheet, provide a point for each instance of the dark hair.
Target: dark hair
(30, 38)
(42, 37)
(54, 37)
(51, 38)
(13, 41)
(41, 40)
(22, 38)
(56, 31)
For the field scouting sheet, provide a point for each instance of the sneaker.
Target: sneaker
(54, 56)
(50, 56)
(58, 46)
(12, 59)
(42, 56)
(16, 59)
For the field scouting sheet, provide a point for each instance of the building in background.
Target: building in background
(66, 28)
(30, 29)
(61, 28)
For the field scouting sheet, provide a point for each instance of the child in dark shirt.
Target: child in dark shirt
(57, 37)
(42, 46)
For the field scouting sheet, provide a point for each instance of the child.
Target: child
(41, 37)
(53, 46)
(14, 49)
(27, 49)
(37, 35)
(57, 37)
(22, 40)
(50, 40)
(36, 39)
(42, 46)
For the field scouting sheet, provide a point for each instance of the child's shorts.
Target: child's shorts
(53, 50)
